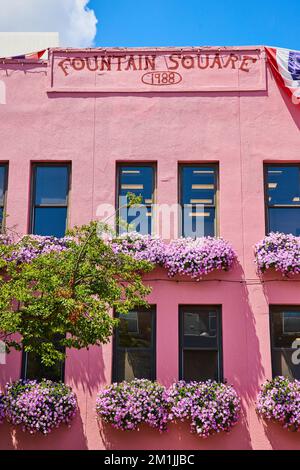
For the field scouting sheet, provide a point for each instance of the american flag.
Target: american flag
(285, 64)
(32, 56)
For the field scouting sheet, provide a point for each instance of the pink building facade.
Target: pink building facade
(97, 109)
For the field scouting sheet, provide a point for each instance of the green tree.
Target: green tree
(67, 294)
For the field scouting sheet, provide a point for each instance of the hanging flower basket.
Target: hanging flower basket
(185, 256)
(278, 251)
(211, 407)
(31, 246)
(127, 405)
(39, 406)
(279, 401)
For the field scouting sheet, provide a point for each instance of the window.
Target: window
(135, 346)
(200, 343)
(282, 189)
(285, 330)
(198, 190)
(33, 369)
(50, 199)
(140, 181)
(3, 189)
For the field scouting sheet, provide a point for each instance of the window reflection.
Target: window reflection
(200, 343)
(198, 200)
(283, 198)
(285, 333)
(135, 346)
(50, 199)
(138, 180)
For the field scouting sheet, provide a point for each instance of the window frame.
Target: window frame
(5, 164)
(33, 206)
(278, 308)
(153, 165)
(214, 165)
(219, 350)
(279, 206)
(152, 308)
(24, 364)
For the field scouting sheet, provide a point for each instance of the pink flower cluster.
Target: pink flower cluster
(141, 247)
(278, 251)
(2, 408)
(279, 400)
(126, 405)
(185, 256)
(39, 407)
(210, 406)
(31, 246)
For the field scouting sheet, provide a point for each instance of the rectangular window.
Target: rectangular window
(33, 369)
(198, 193)
(50, 192)
(200, 343)
(3, 190)
(285, 336)
(282, 190)
(139, 180)
(135, 346)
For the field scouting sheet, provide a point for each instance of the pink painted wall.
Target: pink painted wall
(94, 130)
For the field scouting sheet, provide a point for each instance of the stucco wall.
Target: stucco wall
(239, 129)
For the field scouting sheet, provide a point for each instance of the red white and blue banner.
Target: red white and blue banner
(32, 56)
(285, 65)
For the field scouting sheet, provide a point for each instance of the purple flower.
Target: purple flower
(210, 406)
(39, 407)
(279, 400)
(2, 409)
(186, 256)
(278, 251)
(32, 246)
(198, 257)
(126, 405)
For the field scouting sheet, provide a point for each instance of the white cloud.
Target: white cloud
(75, 22)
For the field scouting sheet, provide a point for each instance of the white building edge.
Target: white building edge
(19, 43)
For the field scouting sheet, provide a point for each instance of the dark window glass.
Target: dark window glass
(198, 187)
(200, 365)
(134, 351)
(200, 343)
(139, 180)
(50, 199)
(3, 189)
(33, 369)
(283, 198)
(285, 331)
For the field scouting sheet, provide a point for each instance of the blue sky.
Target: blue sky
(197, 22)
